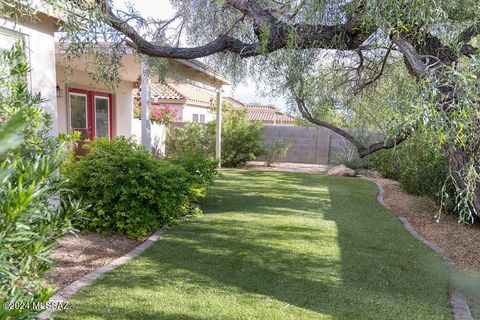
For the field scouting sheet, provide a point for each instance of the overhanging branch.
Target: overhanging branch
(362, 150)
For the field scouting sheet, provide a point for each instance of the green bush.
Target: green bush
(194, 148)
(193, 139)
(131, 192)
(350, 158)
(242, 140)
(35, 209)
(276, 152)
(419, 167)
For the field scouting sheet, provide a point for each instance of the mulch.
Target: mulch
(78, 255)
(459, 242)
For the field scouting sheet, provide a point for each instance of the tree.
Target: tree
(355, 44)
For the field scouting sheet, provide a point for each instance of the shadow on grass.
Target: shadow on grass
(318, 243)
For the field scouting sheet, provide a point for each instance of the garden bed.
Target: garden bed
(458, 242)
(78, 255)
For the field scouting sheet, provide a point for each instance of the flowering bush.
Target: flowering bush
(163, 114)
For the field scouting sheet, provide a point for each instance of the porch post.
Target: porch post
(145, 101)
(218, 131)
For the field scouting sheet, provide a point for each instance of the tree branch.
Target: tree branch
(344, 36)
(361, 149)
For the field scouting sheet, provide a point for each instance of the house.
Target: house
(267, 114)
(76, 103)
(191, 87)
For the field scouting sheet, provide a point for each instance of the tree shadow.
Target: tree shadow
(332, 253)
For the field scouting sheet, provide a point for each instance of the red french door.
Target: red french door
(90, 112)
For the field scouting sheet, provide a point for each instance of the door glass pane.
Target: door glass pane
(78, 112)
(101, 117)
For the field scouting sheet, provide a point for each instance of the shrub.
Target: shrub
(350, 158)
(131, 192)
(193, 139)
(276, 152)
(35, 210)
(242, 140)
(193, 148)
(420, 168)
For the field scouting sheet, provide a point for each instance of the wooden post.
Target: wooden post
(218, 131)
(145, 100)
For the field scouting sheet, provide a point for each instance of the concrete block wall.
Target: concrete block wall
(308, 144)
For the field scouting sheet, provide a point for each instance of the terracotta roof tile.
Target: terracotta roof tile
(264, 113)
(164, 91)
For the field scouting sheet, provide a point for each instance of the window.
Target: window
(8, 38)
(198, 118)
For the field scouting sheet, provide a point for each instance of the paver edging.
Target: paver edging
(67, 292)
(457, 300)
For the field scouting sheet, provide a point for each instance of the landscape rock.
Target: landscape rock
(342, 171)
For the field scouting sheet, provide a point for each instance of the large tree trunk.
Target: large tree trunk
(459, 161)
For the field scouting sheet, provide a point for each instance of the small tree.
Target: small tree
(276, 152)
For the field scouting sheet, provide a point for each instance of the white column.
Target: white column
(145, 101)
(218, 131)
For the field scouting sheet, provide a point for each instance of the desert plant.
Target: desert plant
(350, 158)
(277, 151)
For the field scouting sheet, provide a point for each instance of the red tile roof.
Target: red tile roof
(263, 113)
(165, 91)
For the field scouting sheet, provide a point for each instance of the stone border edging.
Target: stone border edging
(67, 292)
(457, 300)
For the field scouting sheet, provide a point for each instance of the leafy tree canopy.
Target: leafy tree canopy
(398, 66)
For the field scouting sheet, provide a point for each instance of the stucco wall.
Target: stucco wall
(188, 112)
(122, 100)
(39, 36)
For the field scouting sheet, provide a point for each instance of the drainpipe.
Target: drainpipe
(145, 100)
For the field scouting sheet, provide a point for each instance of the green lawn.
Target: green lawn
(277, 246)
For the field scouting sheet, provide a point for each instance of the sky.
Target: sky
(245, 92)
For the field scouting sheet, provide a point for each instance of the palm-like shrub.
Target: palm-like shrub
(34, 208)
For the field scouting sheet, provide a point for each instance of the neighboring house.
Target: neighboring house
(267, 114)
(190, 87)
(38, 35)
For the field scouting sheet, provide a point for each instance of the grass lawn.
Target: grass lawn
(276, 245)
